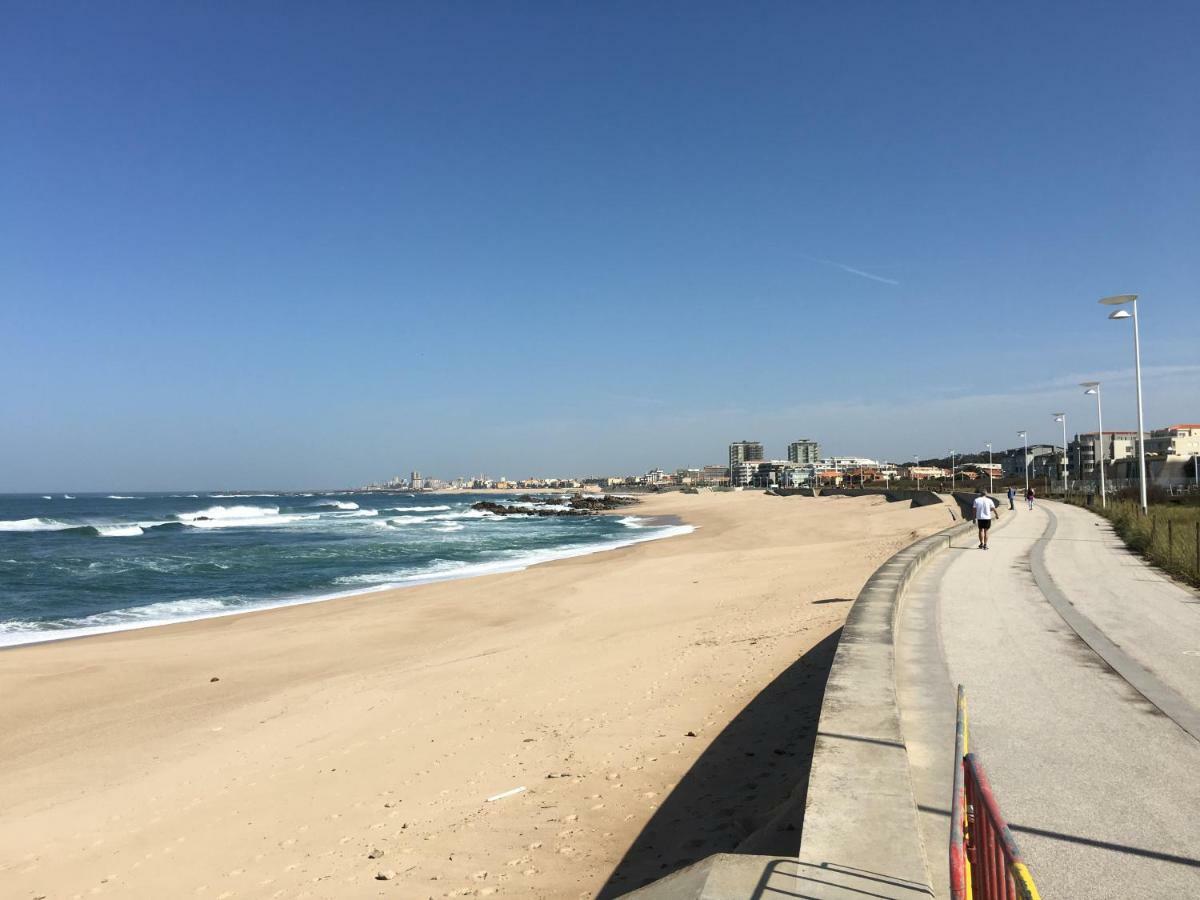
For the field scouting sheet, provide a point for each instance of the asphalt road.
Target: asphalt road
(1083, 685)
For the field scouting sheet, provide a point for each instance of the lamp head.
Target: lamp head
(1091, 390)
(1120, 314)
(1089, 384)
(1118, 300)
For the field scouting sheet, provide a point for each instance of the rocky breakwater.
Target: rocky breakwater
(578, 505)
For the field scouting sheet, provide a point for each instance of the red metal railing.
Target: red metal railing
(985, 862)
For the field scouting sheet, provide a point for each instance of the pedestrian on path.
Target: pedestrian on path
(1012, 495)
(985, 511)
(1029, 497)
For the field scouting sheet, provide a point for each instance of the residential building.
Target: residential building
(804, 451)
(1174, 440)
(1042, 459)
(717, 475)
(741, 452)
(1084, 451)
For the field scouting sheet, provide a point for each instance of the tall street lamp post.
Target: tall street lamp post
(1025, 436)
(1121, 300)
(1093, 387)
(951, 472)
(917, 465)
(1062, 417)
(991, 484)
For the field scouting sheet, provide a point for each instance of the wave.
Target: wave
(229, 512)
(122, 497)
(68, 497)
(47, 497)
(452, 526)
(144, 616)
(240, 517)
(408, 509)
(444, 570)
(356, 514)
(119, 530)
(632, 522)
(187, 496)
(333, 504)
(34, 525)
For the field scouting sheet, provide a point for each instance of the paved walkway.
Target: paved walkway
(1082, 670)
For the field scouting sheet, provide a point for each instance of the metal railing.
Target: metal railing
(985, 863)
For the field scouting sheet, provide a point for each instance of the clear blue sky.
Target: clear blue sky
(316, 244)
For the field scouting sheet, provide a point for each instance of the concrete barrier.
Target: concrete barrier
(860, 820)
(860, 836)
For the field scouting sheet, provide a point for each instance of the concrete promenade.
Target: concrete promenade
(1082, 670)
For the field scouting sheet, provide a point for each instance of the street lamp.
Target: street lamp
(991, 485)
(1025, 435)
(951, 472)
(1121, 300)
(1062, 417)
(1093, 387)
(918, 468)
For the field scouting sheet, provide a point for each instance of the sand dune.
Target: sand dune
(363, 737)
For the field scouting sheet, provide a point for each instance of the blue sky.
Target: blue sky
(298, 245)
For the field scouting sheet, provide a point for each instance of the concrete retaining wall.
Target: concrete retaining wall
(860, 820)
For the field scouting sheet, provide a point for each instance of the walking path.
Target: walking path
(1082, 670)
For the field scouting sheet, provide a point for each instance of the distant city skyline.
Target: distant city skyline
(307, 248)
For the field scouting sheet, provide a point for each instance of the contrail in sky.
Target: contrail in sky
(854, 271)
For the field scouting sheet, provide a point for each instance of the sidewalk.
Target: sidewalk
(1060, 636)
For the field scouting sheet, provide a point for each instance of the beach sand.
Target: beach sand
(656, 703)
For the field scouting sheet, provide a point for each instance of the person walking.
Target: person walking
(1012, 495)
(1029, 497)
(985, 510)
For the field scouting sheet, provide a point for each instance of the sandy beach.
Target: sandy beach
(655, 704)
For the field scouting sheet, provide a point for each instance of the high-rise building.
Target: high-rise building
(744, 451)
(804, 451)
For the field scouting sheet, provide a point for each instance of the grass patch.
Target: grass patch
(1169, 536)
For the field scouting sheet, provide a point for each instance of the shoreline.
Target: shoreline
(304, 750)
(11, 640)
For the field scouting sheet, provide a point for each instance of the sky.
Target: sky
(300, 245)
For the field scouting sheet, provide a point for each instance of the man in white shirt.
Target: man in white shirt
(985, 511)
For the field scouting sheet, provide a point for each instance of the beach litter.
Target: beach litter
(515, 790)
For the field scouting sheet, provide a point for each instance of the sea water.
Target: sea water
(86, 563)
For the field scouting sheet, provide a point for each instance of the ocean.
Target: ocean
(88, 563)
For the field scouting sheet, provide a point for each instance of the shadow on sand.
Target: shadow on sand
(745, 794)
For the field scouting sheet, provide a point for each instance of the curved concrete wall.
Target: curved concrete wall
(860, 820)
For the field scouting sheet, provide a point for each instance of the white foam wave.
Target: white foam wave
(450, 527)
(632, 522)
(412, 509)
(34, 525)
(122, 497)
(68, 497)
(119, 530)
(229, 512)
(47, 497)
(240, 517)
(357, 514)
